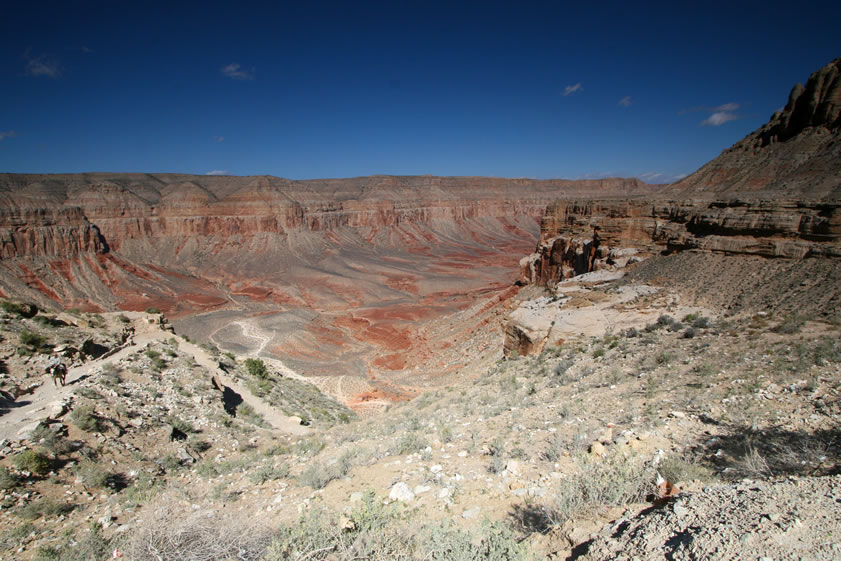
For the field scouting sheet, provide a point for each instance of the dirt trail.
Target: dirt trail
(29, 409)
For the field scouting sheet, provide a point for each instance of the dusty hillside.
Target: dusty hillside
(549, 447)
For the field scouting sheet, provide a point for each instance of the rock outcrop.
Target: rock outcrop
(776, 193)
(796, 155)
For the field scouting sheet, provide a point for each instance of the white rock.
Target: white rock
(420, 489)
(471, 513)
(512, 467)
(444, 493)
(355, 497)
(436, 468)
(401, 492)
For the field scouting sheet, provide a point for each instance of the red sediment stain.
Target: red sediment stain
(62, 267)
(391, 362)
(253, 292)
(34, 281)
(203, 300)
(377, 394)
(403, 283)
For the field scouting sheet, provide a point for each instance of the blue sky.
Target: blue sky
(311, 89)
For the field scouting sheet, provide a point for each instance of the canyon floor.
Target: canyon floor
(623, 439)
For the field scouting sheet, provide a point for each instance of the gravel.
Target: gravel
(796, 519)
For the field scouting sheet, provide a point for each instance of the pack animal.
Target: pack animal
(59, 373)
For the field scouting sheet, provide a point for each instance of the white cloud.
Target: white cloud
(726, 107)
(7, 134)
(572, 89)
(87, 50)
(719, 114)
(218, 172)
(625, 101)
(719, 118)
(237, 72)
(218, 138)
(42, 66)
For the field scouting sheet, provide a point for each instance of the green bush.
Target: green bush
(256, 368)
(86, 419)
(8, 479)
(22, 310)
(33, 461)
(32, 340)
(268, 473)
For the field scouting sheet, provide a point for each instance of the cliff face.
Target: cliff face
(578, 238)
(47, 232)
(132, 206)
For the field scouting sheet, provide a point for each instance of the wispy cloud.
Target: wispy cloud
(218, 172)
(218, 138)
(719, 114)
(719, 118)
(87, 50)
(7, 134)
(41, 66)
(237, 72)
(569, 90)
(625, 101)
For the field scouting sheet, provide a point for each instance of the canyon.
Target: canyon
(380, 287)
(356, 283)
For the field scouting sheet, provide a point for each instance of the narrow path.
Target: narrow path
(272, 416)
(35, 406)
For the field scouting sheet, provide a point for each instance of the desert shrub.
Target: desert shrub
(378, 531)
(8, 479)
(92, 545)
(32, 340)
(317, 476)
(256, 368)
(268, 473)
(689, 333)
(152, 310)
(91, 474)
(676, 470)
(33, 461)
(631, 332)
(614, 481)
(51, 441)
(826, 350)
(42, 507)
(409, 443)
(701, 322)
(86, 419)
(23, 310)
(165, 532)
(16, 535)
(49, 321)
(790, 325)
(180, 424)
(309, 447)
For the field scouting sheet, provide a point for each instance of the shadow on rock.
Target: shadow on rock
(749, 452)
